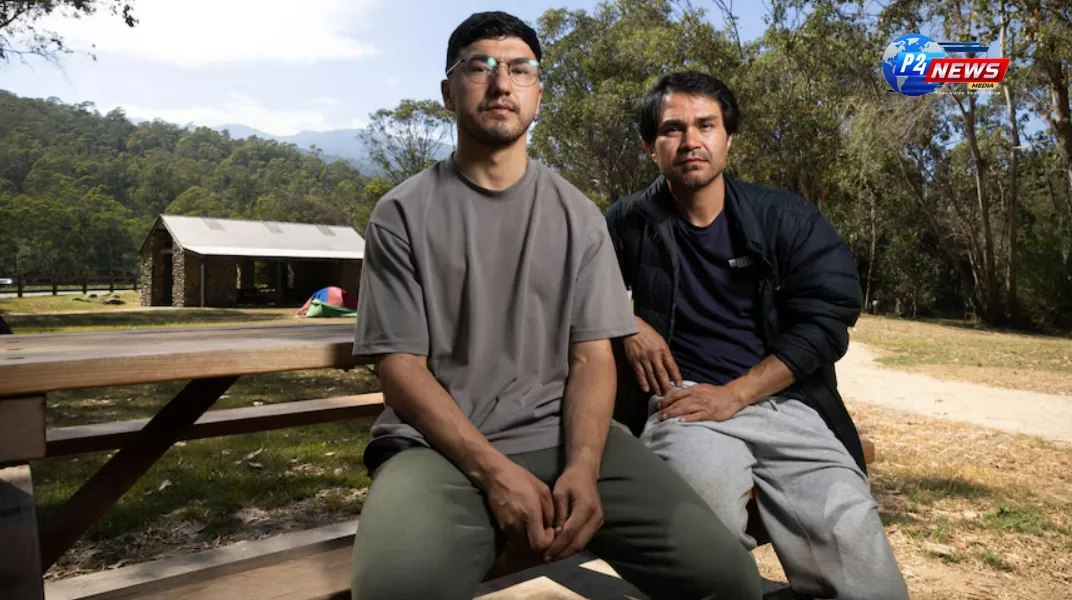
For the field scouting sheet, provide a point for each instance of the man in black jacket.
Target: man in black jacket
(743, 296)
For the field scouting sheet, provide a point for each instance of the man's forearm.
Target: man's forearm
(767, 378)
(588, 403)
(420, 401)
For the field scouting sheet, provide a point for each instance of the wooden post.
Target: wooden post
(21, 283)
(22, 429)
(20, 570)
(85, 285)
(128, 465)
(203, 259)
(111, 283)
(55, 286)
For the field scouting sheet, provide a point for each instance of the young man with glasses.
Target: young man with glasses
(489, 295)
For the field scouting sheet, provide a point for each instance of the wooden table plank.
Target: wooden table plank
(80, 439)
(41, 363)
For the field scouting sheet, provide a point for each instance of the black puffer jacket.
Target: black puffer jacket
(808, 291)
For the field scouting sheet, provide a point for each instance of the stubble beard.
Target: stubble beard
(496, 134)
(695, 180)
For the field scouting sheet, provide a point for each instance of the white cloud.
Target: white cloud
(238, 109)
(199, 33)
(357, 124)
(329, 101)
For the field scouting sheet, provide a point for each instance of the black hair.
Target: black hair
(686, 82)
(489, 26)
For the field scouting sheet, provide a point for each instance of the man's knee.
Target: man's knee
(716, 466)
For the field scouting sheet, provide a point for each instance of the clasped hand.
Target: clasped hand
(557, 523)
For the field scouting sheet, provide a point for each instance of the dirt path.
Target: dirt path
(1015, 411)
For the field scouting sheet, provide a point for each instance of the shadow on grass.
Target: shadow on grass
(142, 318)
(928, 488)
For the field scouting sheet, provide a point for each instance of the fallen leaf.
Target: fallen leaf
(255, 465)
(180, 444)
(225, 452)
(258, 403)
(337, 472)
(970, 515)
(253, 455)
(163, 484)
(251, 514)
(960, 545)
(939, 549)
(329, 454)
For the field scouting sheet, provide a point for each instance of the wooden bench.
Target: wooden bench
(300, 566)
(278, 564)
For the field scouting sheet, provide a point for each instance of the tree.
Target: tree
(21, 33)
(596, 67)
(405, 140)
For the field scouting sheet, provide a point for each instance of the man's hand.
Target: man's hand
(578, 512)
(650, 357)
(701, 402)
(522, 506)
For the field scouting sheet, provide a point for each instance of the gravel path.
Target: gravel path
(1033, 413)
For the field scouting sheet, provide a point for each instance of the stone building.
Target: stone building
(201, 261)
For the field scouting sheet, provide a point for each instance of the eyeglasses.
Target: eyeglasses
(523, 71)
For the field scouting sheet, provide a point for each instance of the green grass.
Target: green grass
(67, 303)
(300, 476)
(995, 562)
(1021, 519)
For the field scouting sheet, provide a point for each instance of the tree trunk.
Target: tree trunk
(874, 247)
(1062, 121)
(1011, 304)
(989, 280)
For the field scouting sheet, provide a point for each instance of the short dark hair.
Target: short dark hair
(686, 82)
(489, 26)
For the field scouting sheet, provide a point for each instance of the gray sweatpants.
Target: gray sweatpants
(815, 502)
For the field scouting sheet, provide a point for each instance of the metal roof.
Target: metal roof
(264, 239)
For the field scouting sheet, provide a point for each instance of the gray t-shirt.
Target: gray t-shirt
(492, 287)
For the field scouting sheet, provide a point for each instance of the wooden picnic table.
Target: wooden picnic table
(209, 358)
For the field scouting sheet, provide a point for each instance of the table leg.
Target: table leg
(128, 465)
(20, 569)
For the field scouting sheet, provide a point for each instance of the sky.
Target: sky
(279, 66)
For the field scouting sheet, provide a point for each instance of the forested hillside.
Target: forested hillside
(79, 190)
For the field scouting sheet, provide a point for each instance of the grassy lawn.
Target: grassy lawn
(67, 303)
(61, 314)
(204, 493)
(955, 350)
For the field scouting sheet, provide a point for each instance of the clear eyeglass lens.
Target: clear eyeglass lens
(523, 72)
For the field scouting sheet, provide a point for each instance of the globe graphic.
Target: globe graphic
(909, 85)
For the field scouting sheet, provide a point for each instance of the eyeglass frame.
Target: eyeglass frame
(495, 68)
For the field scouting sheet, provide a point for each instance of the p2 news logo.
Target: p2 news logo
(914, 65)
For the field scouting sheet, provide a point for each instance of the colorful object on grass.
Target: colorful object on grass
(329, 302)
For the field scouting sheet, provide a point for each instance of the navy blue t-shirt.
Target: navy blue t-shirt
(716, 334)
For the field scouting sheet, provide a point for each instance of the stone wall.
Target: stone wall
(220, 281)
(152, 264)
(187, 278)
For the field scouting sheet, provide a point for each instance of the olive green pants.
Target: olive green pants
(426, 531)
